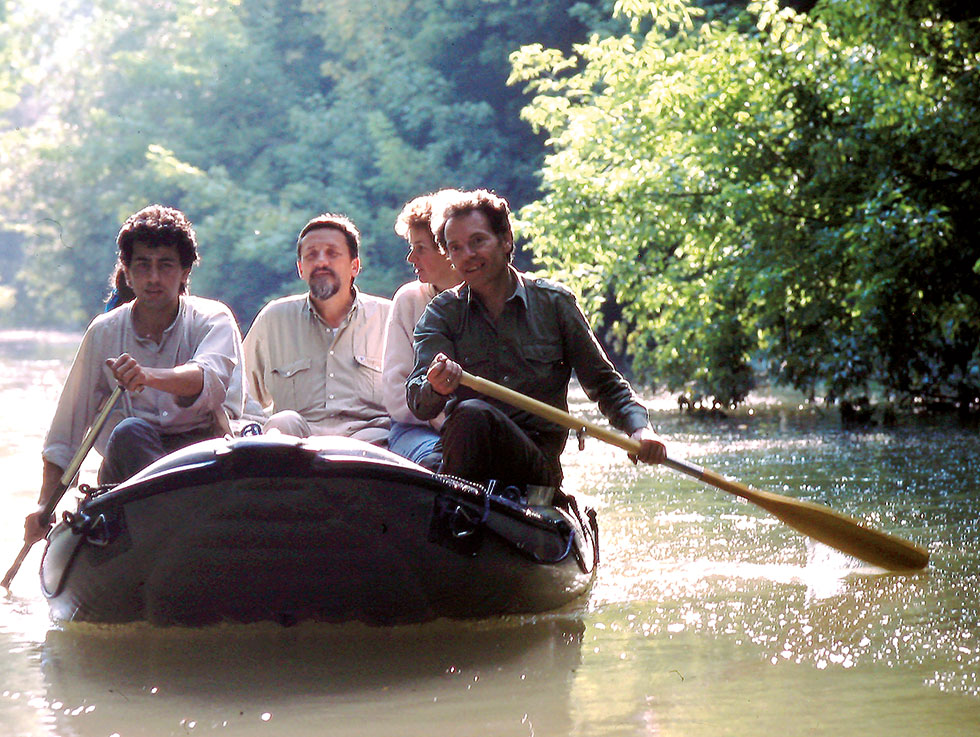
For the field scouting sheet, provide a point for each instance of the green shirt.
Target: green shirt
(534, 345)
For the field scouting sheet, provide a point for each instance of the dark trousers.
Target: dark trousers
(479, 443)
(134, 444)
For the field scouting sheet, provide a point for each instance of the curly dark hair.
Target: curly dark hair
(495, 208)
(337, 222)
(157, 225)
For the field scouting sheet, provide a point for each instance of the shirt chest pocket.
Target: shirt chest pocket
(367, 378)
(544, 360)
(292, 385)
(475, 358)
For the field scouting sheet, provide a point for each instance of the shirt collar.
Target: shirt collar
(520, 291)
(346, 321)
(166, 332)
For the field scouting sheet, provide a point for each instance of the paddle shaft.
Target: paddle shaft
(67, 477)
(814, 520)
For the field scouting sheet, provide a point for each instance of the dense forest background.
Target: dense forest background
(736, 190)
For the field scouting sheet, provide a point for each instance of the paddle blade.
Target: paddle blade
(831, 528)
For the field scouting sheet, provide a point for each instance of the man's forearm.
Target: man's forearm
(181, 381)
(50, 480)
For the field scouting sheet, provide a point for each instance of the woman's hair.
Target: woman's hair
(119, 290)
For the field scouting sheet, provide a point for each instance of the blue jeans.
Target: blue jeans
(417, 443)
(134, 444)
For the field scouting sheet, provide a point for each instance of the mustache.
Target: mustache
(324, 283)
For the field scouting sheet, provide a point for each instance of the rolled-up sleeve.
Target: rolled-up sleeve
(86, 388)
(255, 363)
(399, 358)
(217, 353)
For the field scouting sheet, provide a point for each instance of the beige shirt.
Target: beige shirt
(203, 333)
(406, 308)
(294, 360)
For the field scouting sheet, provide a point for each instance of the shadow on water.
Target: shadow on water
(100, 679)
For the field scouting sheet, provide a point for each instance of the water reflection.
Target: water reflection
(250, 678)
(709, 617)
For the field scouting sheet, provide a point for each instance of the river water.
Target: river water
(708, 616)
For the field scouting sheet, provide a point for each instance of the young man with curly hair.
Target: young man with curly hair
(174, 354)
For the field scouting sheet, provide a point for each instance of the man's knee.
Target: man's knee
(288, 422)
(132, 446)
(470, 437)
(471, 416)
(132, 430)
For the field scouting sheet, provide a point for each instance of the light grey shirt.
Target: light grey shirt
(332, 377)
(407, 307)
(203, 333)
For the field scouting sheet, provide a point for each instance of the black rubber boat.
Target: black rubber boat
(331, 529)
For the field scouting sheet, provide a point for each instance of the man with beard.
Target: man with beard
(313, 361)
(174, 354)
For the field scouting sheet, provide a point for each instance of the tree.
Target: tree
(139, 81)
(770, 188)
(252, 116)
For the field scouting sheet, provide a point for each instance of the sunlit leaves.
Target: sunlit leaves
(774, 188)
(252, 116)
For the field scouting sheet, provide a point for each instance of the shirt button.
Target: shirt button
(331, 376)
(331, 396)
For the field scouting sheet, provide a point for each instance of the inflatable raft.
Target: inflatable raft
(330, 529)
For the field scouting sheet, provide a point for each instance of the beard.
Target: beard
(324, 284)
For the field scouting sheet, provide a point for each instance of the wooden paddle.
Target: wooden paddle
(821, 523)
(67, 477)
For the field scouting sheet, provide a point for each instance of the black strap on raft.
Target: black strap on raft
(517, 499)
(91, 492)
(558, 558)
(458, 526)
(97, 529)
(593, 532)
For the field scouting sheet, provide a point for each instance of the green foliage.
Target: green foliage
(122, 83)
(252, 116)
(770, 187)
(729, 189)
